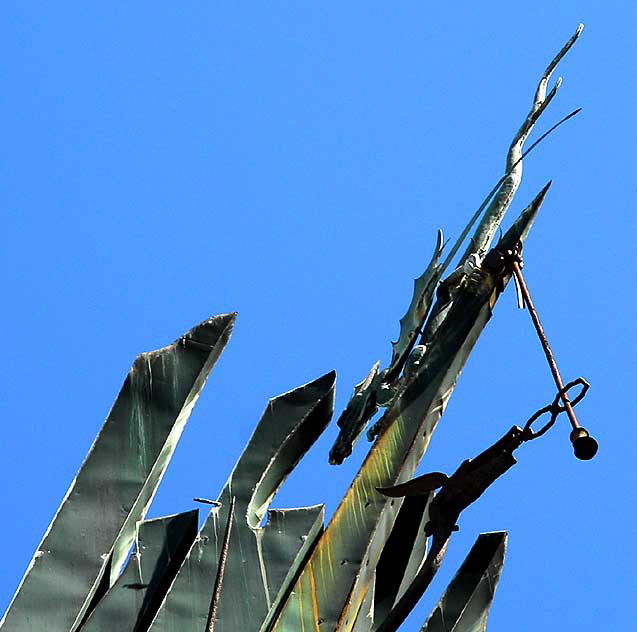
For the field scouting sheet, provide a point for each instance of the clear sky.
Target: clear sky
(165, 162)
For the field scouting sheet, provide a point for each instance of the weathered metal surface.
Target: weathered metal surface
(461, 489)
(221, 569)
(372, 391)
(411, 323)
(367, 395)
(458, 491)
(337, 576)
(472, 478)
(402, 555)
(132, 602)
(261, 561)
(497, 208)
(267, 585)
(361, 407)
(365, 618)
(92, 532)
(464, 606)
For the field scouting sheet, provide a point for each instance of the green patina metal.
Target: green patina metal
(289, 574)
(465, 605)
(90, 536)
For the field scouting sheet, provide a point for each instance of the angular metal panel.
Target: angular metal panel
(339, 572)
(261, 561)
(464, 607)
(365, 617)
(91, 534)
(403, 554)
(132, 602)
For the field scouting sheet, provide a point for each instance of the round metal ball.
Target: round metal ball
(585, 448)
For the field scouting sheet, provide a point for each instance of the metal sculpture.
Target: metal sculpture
(364, 571)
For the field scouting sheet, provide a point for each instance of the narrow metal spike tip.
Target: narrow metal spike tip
(584, 446)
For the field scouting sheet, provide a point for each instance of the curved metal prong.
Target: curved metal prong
(418, 486)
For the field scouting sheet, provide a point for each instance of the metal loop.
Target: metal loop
(555, 408)
(528, 434)
(580, 396)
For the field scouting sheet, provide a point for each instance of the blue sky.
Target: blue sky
(164, 162)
